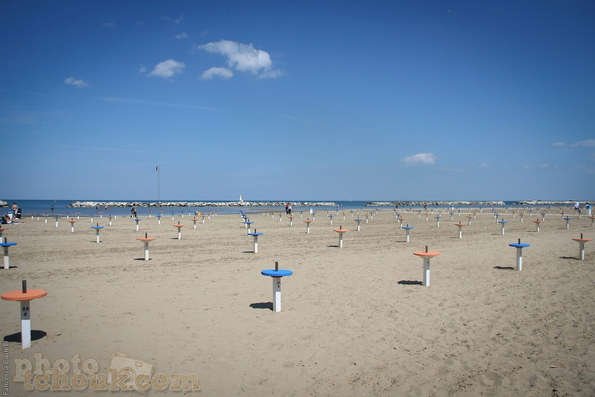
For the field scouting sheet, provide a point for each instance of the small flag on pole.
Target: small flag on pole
(157, 168)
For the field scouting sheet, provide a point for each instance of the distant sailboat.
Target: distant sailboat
(241, 199)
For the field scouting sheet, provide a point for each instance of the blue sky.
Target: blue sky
(320, 100)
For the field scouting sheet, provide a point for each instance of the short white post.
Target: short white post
(340, 240)
(276, 294)
(6, 259)
(146, 250)
(97, 234)
(426, 271)
(255, 244)
(519, 258)
(25, 324)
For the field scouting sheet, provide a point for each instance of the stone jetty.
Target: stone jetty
(432, 203)
(84, 204)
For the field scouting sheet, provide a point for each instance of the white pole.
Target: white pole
(276, 294)
(426, 272)
(255, 244)
(97, 231)
(340, 240)
(146, 250)
(519, 258)
(582, 250)
(6, 259)
(25, 325)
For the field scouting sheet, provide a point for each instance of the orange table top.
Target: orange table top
(537, 221)
(308, 221)
(194, 219)
(3, 228)
(428, 254)
(179, 225)
(72, 220)
(582, 239)
(146, 238)
(19, 296)
(460, 224)
(341, 230)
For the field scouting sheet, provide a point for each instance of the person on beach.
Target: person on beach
(133, 212)
(52, 207)
(577, 207)
(15, 209)
(287, 208)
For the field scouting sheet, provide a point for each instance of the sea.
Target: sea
(61, 208)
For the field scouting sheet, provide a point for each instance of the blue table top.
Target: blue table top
(567, 219)
(249, 223)
(358, 220)
(521, 245)
(502, 221)
(276, 273)
(7, 244)
(254, 234)
(96, 227)
(137, 219)
(407, 227)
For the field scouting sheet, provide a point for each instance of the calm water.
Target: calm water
(40, 207)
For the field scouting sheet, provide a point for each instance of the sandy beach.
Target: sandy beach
(355, 321)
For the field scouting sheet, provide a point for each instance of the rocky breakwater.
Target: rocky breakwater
(432, 203)
(90, 204)
(3, 203)
(551, 202)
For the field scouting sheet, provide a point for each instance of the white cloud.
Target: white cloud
(587, 143)
(271, 74)
(142, 70)
(182, 35)
(221, 72)
(529, 166)
(110, 24)
(559, 144)
(244, 57)
(176, 21)
(77, 83)
(421, 158)
(167, 69)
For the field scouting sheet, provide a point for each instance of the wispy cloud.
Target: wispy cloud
(532, 166)
(421, 158)
(166, 69)
(78, 83)
(182, 35)
(244, 58)
(110, 24)
(155, 103)
(296, 119)
(221, 72)
(176, 21)
(587, 143)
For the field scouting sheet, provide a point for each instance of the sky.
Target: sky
(297, 100)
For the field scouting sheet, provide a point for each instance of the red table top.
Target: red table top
(19, 296)
(429, 253)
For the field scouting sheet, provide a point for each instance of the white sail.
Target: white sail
(241, 199)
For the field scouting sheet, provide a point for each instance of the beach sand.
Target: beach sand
(356, 321)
